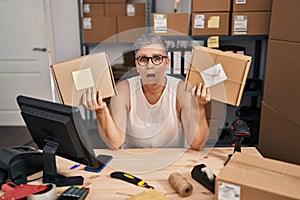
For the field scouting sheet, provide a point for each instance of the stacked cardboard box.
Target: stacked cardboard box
(104, 19)
(170, 23)
(250, 17)
(280, 121)
(210, 17)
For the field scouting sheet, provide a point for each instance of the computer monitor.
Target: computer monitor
(59, 129)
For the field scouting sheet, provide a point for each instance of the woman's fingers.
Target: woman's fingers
(202, 93)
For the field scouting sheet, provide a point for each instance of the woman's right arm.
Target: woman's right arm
(112, 122)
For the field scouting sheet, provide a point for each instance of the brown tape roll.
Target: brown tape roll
(180, 184)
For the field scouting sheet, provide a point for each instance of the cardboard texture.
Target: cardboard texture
(236, 68)
(73, 77)
(285, 23)
(210, 23)
(210, 5)
(93, 9)
(139, 9)
(99, 29)
(251, 5)
(115, 9)
(282, 78)
(170, 26)
(279, 136)
(247, 177)
(133, 26)
(93, 1)
(250, 23)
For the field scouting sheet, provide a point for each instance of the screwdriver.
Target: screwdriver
(131, 179)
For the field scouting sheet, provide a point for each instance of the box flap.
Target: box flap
(263, 174)
(73, 77)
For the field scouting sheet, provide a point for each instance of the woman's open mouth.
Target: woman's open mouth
(150, 75)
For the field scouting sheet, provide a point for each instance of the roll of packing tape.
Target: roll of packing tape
(180, 184)
(48, 194)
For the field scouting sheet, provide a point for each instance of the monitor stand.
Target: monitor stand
(50, 174)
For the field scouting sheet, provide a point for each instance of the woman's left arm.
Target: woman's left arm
(192, 112)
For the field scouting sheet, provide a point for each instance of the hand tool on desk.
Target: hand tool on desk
(131, 179)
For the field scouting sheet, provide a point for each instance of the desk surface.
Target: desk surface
(152, 165)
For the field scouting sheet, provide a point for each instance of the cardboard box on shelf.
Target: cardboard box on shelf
(93, 9)
(136, 9)
(250, 23)
(285, 23)
(224, 72)
(248, 177)
(115, 1)
(115, 9)
(99, 29)
(253, 5)
(210, 5)
(210, 23)
(130, 28)
(282, 75)
(93, 1)
(170, 23)
(279, 135)
(73, 77)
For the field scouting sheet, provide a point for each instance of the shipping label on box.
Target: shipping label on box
(226, 72)
(247, 177)
(74, 77)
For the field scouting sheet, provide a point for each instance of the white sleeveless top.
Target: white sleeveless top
(153, 126)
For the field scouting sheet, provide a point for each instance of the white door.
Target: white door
(24, 63)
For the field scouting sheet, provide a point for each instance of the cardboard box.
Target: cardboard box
(93, 1)
(168, 23)
(73, 77)
(130, 28)
(210, 23)
(210, 5)
(115, 1)
(93, 10)
(282, 78)
(235, 67)
(279, 136)
(99, 29)
(285, 23)
(251, 5)
(136, 9)
(115, 9)
(247, 177)
(250, 23)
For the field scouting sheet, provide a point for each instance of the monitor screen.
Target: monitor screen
(60, 129)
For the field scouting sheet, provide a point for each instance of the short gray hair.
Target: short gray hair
(148, 39)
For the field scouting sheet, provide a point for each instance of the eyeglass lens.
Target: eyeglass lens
(156, 59)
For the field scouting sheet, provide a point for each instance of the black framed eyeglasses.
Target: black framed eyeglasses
(156, 59)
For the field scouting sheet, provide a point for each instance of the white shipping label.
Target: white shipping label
(240, 2)
(160, 23)
(227, 191)
(199, 21)
(240, 24)
(87, 23)
(83, 79)
(86, 8)
(213, 75)
(130, 10)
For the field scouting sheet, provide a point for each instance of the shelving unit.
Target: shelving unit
(260, 48)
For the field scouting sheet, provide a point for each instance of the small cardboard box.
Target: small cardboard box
(93, 9)
(210, 5)
(251, 5)
(247, 177)
(170, 23)
(285, 23)
(130, 28)
(99, 29)
(73, 77)
(214, 64)
(250, 23)
(210, 23)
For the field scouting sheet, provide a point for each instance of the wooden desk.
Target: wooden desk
(152, 165)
